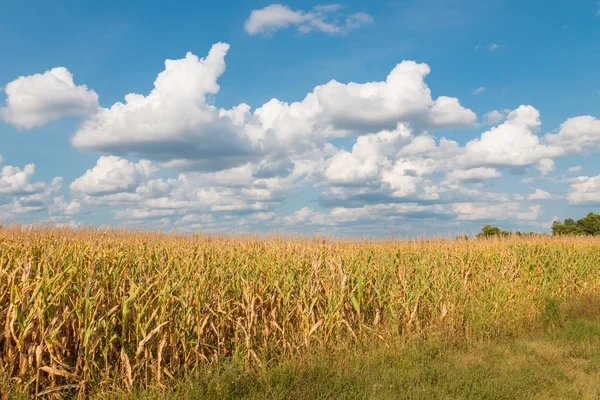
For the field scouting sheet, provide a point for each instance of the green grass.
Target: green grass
(559, 363)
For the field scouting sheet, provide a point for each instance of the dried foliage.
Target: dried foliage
(95, 309)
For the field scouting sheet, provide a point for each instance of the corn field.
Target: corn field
(98, 309)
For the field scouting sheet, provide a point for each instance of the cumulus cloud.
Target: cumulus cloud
(236, 167)
(385, 165)
(497, 211)
(17, 181)
(175, 121)
(389, 212)
(113, 174)
(493, 117)
(62, 208)
(368, 214)
(474, 174)
(404, 165)
(545, 166)
(513, 143)
(38, 99)
(323, 18)
(246, 192)
(177, 125)
(337, 109)
(585, 191)
(447, 112)
(136, 213)
(575, 169)
(370, 155)
(577, 135)
(539, 194)
(23, 197)
(389, 168)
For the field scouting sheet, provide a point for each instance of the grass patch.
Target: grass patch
(557, 363)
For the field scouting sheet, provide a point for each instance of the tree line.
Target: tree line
(586, 226)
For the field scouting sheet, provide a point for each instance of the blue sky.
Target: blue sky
(324, 140)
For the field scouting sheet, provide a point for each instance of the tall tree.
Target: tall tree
(588, 225)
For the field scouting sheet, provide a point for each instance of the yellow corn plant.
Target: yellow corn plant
(94, 309)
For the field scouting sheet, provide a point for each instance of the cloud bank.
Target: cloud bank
(361, 155)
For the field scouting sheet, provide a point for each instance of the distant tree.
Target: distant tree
(588, 225)
(490, 231)
(519, 233)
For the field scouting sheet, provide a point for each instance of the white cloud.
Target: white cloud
(272, 18)
(494, 117)
(111, 175)
(357, 20)
(17, 181)
(474, 174)
(577, 135)
(61, 208)
(238, 166)
(135, 213)
(175, 124)
(401, 164)
(263, 216)
(369, 214)
(539, 194)
(545, 166)
(329, 7)
(370, 155)
(398, 166)
(376, 212)
(38, 99)
(247, 190)
(299, 216)
(498, 211)
(344, 168)
(324, 18)
(116, 199)
(512, 143)
(337, 109)
(585, 191)
(447, 112)
(26, 197)
(479, 90)
(575, 169)
(389, 163)
(490, 47)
